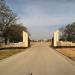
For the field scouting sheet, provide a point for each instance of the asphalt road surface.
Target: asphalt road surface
(40, 59)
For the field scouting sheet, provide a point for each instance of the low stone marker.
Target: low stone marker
(25, 38)
(57, 42)
(56, 38)
(22, 44)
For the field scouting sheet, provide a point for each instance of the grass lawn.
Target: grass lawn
(9, 52)
(69, 52)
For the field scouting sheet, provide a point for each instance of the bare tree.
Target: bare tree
(69, 32)
(7, 18)
(15, 35)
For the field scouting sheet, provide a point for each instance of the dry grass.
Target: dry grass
(8, 52)
(69, 52)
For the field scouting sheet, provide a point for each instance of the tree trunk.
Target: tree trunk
(5, 40)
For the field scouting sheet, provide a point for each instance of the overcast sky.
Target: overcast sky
(42, 17)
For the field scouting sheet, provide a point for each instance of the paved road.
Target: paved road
(38, 60)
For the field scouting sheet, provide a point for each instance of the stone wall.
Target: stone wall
(63, 43)
(20, 44)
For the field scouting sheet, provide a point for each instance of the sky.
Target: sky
(43, 17)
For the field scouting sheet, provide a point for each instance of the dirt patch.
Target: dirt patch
(69, 52)
(9, 52)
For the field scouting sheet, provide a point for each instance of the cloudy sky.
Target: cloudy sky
(42, 17)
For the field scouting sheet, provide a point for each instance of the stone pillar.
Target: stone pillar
(56, 38)
(25, 38)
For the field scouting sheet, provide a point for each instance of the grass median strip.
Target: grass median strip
(9, 52)
(69, 52)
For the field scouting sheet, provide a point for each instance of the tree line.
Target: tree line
(9, 28)
(68, 32)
